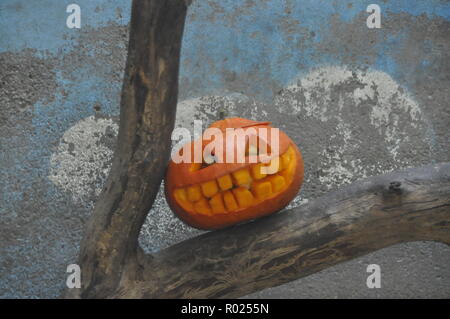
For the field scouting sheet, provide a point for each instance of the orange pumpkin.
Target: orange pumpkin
(216, 195)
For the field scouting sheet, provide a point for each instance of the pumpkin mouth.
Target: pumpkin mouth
(240, 189)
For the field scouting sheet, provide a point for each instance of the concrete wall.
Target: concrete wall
(357, 101)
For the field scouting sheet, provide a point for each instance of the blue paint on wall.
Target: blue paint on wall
(42, 25)
(216, 38)
(273, 39)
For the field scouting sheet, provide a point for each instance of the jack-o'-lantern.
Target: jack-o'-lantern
(214, 192)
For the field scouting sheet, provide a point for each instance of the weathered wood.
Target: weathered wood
(355, 220)
(368, 215)
(147, 116)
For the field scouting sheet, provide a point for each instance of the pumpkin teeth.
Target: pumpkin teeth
(193, 193)
(277, 182)
(242, 177)
(225, 182)
(240, 189)
(217, 205)
(230, 201)
(202, 207)
(243, 196)
(257, 171)
(285, 159)
(273, 166)
(262, 190)
(209, 189)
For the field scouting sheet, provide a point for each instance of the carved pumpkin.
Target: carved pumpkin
(215, 195)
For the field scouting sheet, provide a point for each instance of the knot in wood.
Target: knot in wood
(395, 186)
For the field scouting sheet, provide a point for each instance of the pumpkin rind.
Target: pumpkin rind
(224, 194)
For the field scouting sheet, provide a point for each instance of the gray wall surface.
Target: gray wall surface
(357, 101)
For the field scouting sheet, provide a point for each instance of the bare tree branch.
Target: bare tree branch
(147, 116)
(368, 215)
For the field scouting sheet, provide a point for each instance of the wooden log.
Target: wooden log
(371, 214)
(147, 117)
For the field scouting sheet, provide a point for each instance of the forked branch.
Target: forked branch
(371, 214)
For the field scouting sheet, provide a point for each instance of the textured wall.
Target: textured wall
(357, 101)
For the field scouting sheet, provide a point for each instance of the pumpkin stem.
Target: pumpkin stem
(223, 113)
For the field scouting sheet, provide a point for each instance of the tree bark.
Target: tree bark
(355, 220)
(147, 116)
(371, 214)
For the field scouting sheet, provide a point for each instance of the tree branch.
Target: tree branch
(147, 116)
(368, 215)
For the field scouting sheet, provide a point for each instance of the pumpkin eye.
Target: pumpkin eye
(252, 150)
(209, 159)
